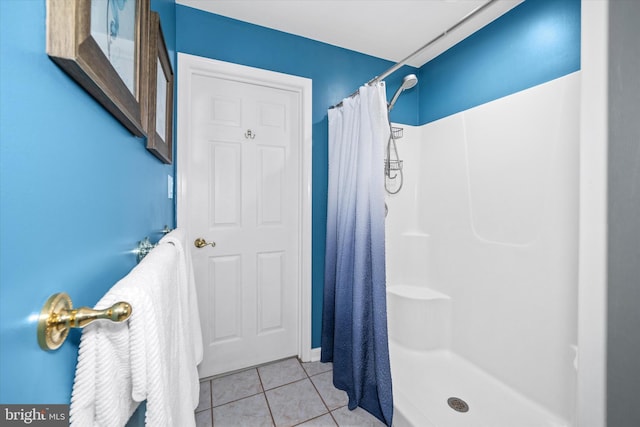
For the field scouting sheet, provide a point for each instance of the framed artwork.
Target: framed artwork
(102, 45)
(159, 108)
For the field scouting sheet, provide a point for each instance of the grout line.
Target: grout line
(290, 382)
(322, 398)
(334, 418)
(283, 385)
(240, 398)
(317, 392)
(211, 401)
(329, 411)
(320, 395)
(237, 400)
(317, 373)
(264, 393)
(248, 368)
(255, 394)
(310, 419)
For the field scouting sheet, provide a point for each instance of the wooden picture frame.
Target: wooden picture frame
(159, 108)
(102, 45)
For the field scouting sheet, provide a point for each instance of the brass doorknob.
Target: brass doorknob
(201, 243)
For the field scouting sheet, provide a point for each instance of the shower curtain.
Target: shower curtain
(354, 318)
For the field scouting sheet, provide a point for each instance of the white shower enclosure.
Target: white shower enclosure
(482, 263)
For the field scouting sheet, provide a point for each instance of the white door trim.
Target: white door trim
(188, 65)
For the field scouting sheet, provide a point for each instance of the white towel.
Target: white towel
(120, 365)
(103, 386)
(192, 331)
(152, 362)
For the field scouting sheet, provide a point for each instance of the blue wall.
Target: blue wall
(537, 41)
(336, 73)
(77, 193)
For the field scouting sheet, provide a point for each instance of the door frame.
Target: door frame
(189, 65)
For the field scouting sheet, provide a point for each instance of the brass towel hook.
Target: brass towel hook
(58, 316)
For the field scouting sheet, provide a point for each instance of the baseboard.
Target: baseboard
(311, 355)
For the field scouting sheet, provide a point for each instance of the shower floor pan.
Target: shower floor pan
(423, 381)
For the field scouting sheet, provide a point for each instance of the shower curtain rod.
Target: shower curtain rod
(400, 64)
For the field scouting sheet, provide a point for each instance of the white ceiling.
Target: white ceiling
(388, 29)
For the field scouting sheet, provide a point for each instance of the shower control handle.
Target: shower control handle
(201, 243)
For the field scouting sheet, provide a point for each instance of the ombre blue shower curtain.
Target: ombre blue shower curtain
(354, 317)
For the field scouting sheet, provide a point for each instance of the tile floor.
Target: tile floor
(282, 394)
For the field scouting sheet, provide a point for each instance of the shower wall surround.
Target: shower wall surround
(489, 211)
(493, 199)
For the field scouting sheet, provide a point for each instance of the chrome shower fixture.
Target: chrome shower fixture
(407, 83)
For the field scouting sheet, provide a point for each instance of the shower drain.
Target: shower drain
(458, 404)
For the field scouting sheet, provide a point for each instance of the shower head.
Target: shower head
(408, 82)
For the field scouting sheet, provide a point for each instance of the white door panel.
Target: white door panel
(244, 194)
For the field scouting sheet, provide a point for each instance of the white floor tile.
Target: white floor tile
(235, 386)
(250, 412)
(295, 403)
(280, 373)
(356, 418)
(203, 419)
(205, 396)
(333, 397)
(315, 368)
(324, 421)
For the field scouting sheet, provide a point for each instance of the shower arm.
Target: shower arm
(400, 64)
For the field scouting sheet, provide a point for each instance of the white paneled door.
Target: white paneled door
(243, 193)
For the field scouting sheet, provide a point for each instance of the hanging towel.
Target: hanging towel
(120, 365)
(152, 370)
(102, 387)
(192, 330)
(114, 360)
